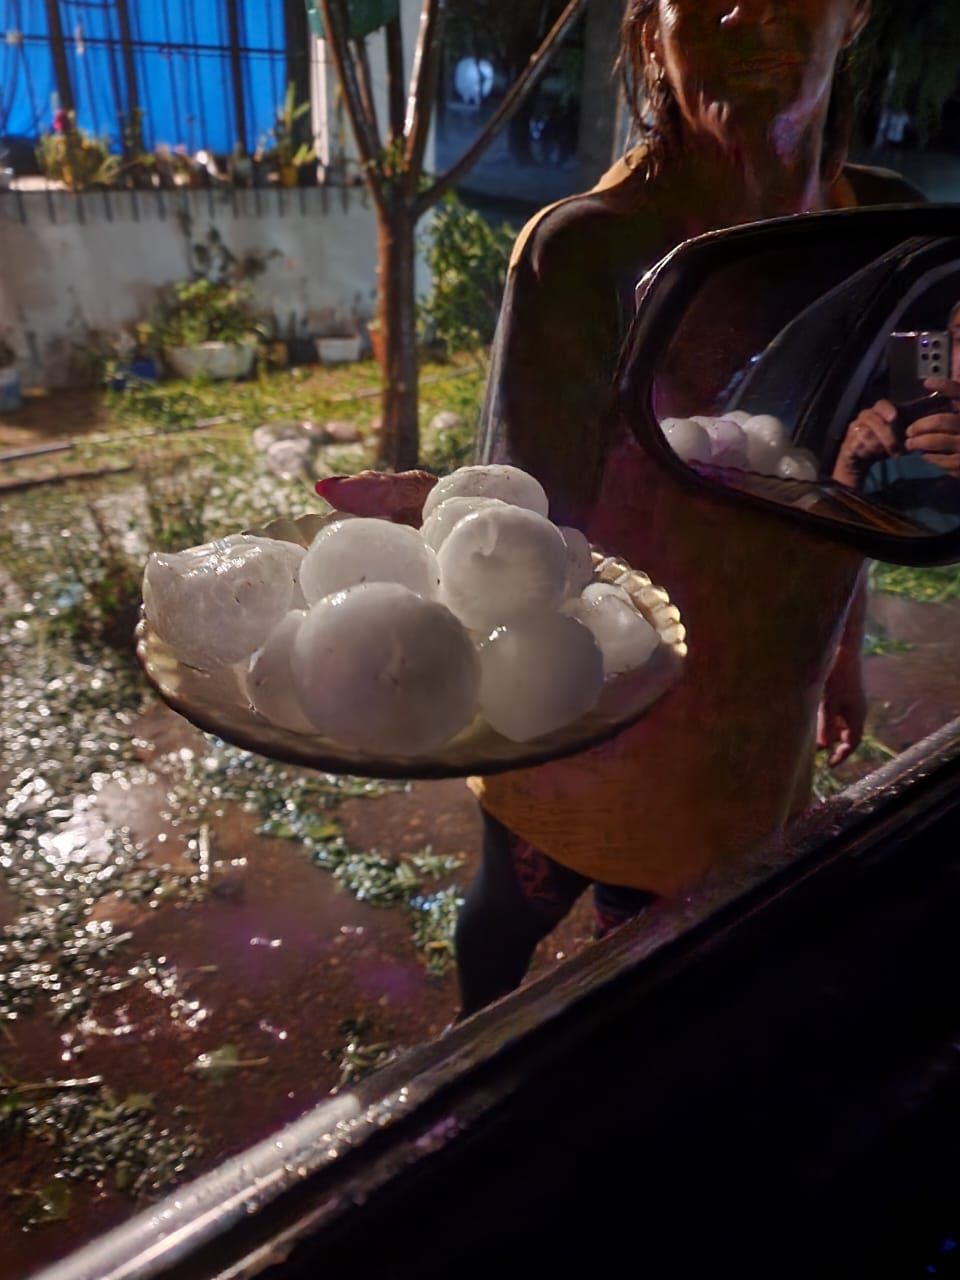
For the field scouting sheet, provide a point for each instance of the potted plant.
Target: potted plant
(9, 378)
(207, 328)
(339, 342)
(287, 155)
(74, 157)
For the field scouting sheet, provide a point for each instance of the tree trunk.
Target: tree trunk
(399, 430)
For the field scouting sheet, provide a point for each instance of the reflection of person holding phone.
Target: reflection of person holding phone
(885, 434)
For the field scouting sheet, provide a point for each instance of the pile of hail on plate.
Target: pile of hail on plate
(390, 640)
(747, 442)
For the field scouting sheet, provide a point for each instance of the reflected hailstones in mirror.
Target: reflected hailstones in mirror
(499, 562)
(538, 673)
(744, 442)
(216, 603)
(378, 668)
(507, 483)
(350, 552)
(579, 560)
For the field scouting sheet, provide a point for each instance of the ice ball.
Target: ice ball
(579, 560)
(216, 603)
(625, 637)
(351, 552)
(537, 674)
(740, 416)
(767, 441)
(728, 442)
(509, 484)
(500, 562)
(380, 669)
(687, 439)
(442, 518)
(798, 464)
(270, 681)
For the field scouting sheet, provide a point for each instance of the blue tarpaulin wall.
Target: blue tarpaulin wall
(181, 59)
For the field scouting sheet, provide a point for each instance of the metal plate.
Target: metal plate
(216, 702)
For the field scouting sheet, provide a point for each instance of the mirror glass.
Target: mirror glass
(824, 376)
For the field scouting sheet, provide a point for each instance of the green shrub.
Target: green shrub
(468, 260)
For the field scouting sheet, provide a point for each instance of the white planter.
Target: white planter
(338, 350)
(216, 360)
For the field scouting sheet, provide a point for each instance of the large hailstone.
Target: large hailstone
(270, 682)
(538, 674)
(351, 552)
(500, 562)
(728, 442)
(579, 560)
(451, 511)
(216, 603)
(767, 442)
(509, 484)
(687, 439)
(382, 670)
(798, 464)
(625, 637)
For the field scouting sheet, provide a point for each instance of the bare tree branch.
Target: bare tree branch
(336, 34)
(365, 84)
(423, 87)
(394, 41)
(518, 91)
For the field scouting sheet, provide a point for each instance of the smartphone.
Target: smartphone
(913, 356)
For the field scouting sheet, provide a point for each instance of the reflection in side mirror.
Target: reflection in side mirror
(812, 365)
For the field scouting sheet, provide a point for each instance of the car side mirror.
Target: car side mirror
(781, 364)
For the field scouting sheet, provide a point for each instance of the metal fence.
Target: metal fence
(200, 74)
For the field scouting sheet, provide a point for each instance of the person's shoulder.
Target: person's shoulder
(873, 185)
(562, 231)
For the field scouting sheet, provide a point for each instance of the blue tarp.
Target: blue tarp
(182, 69)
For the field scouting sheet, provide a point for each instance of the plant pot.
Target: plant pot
(216, 360)
(10, 399)
(338, 350)
(377, 344)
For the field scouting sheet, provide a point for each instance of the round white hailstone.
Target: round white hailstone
(270, 681)
(500, 562)
(382, 670)
(351, 552)
(215, 604)
(798, 464)
(538, 674)
(687, 439)
(625, 637)
(767, 442)
(579, 560)
(291, 553)
(442, 519)
(739, 416)
(728, 442)
(509, 484)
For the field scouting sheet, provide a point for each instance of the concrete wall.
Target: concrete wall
(71, 264)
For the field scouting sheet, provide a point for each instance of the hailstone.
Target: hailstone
(728, 442)
(767, 442)
(739, 416)
(380, 669)
(500, 562)
(687, 439)
(625, 637)
(798, 464)
(509, 484)
(351, 552)
(269, 680)
(442, 518)
(579, 560)
(216, 603)
(537, 674)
